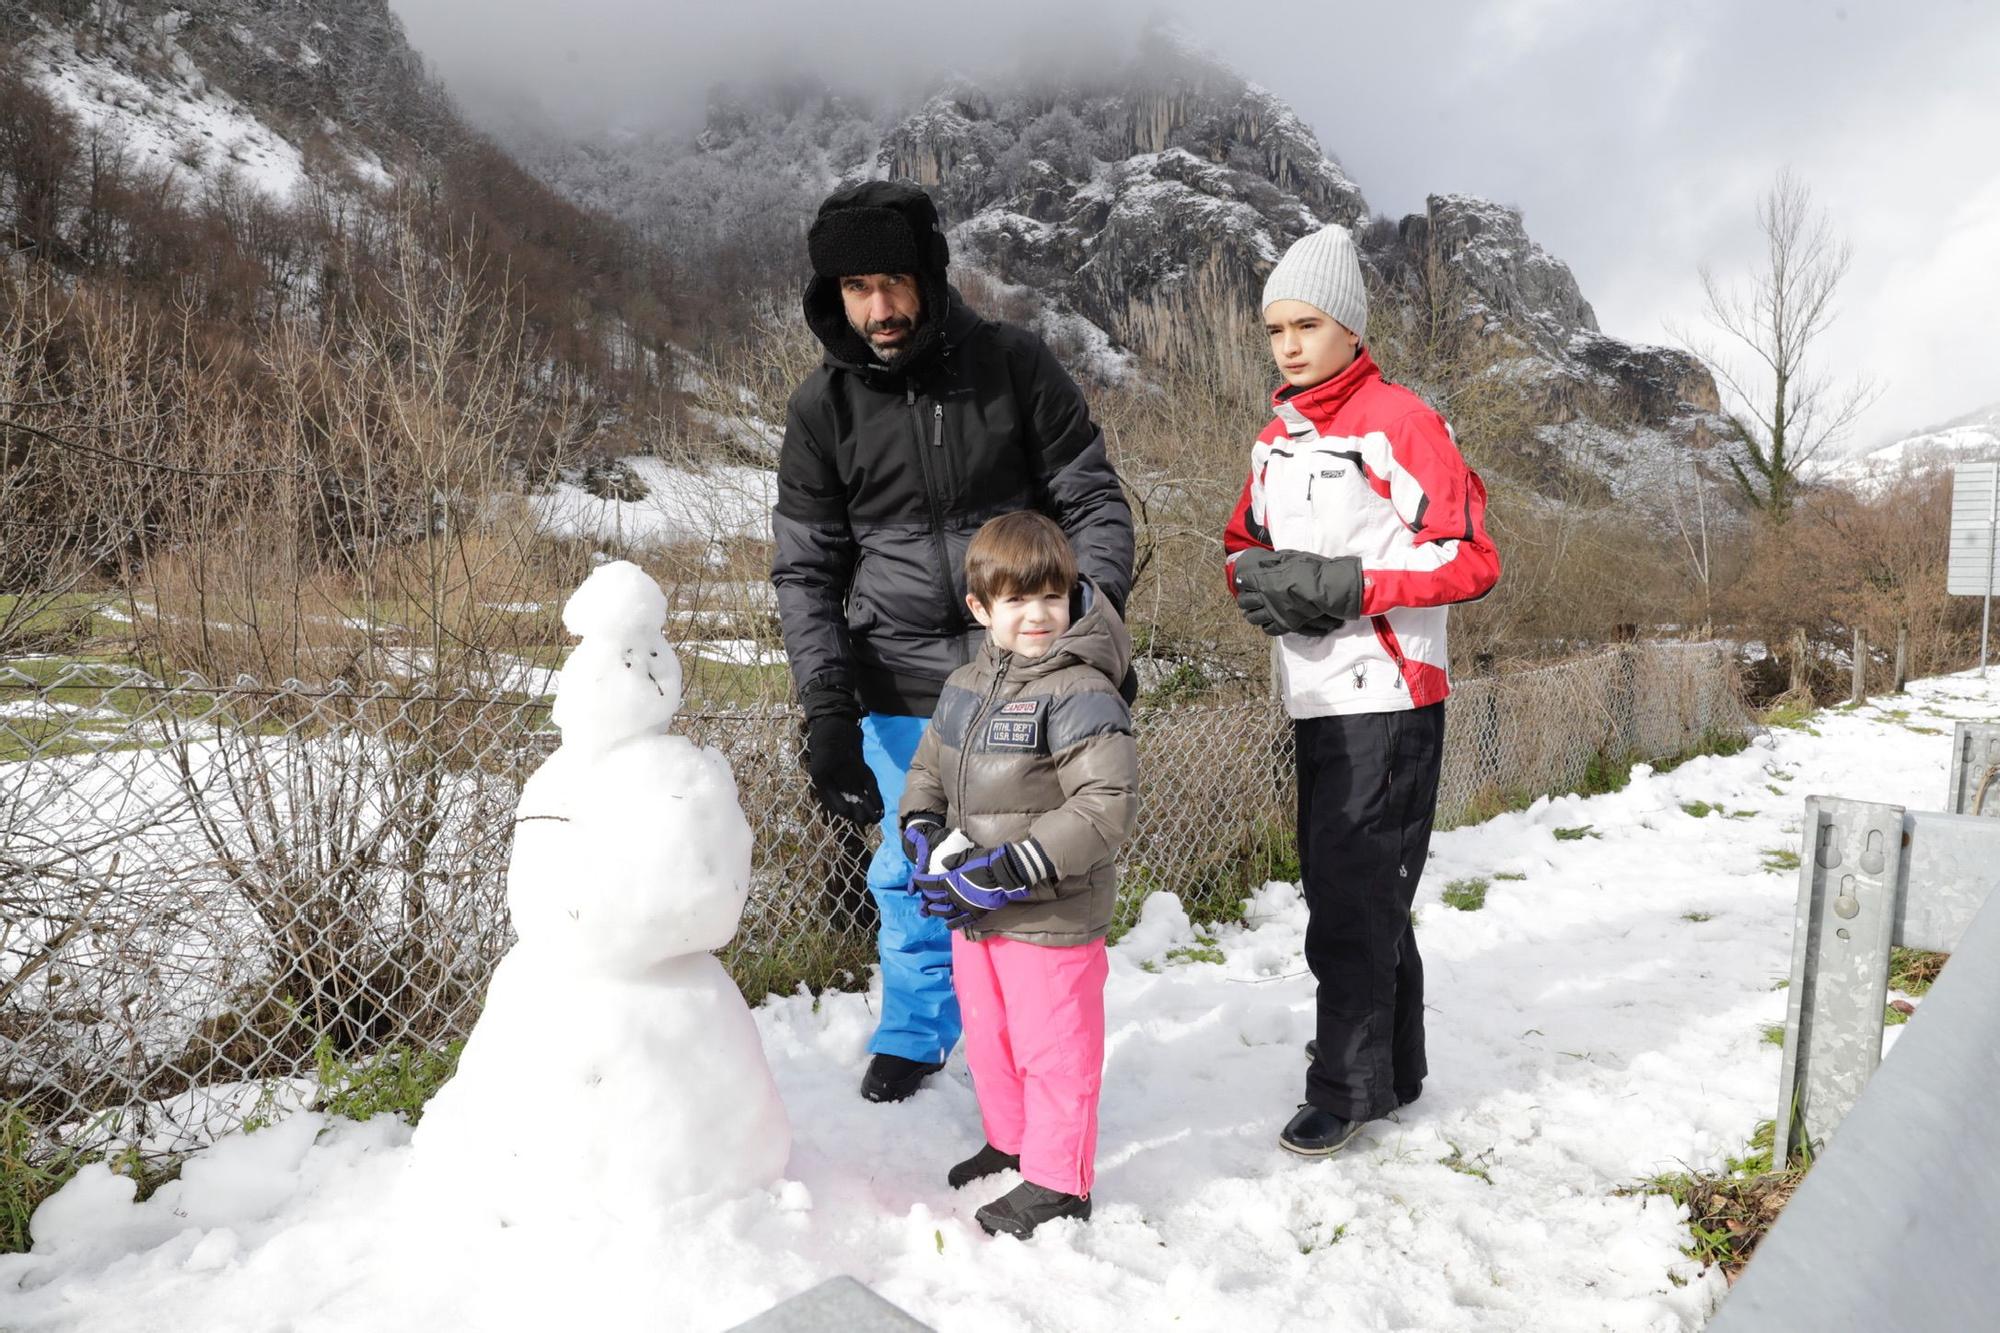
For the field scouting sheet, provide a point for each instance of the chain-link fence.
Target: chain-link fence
(206, 890)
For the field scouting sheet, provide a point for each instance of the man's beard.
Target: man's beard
(888, 356)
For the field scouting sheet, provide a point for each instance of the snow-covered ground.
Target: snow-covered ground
(1598, 1020)
(679, 506)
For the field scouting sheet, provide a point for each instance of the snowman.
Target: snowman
(615, 1066)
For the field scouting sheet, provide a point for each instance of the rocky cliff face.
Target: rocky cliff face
(1129, 212)
(1164, 190)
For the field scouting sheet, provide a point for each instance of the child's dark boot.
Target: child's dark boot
(1019, 1211)
(988, 1161)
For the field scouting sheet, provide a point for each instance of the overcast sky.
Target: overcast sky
(1636, 137)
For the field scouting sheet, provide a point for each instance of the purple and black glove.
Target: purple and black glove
(922, 832)
(979, 880)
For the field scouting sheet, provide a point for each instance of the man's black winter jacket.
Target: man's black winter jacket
(887, 472)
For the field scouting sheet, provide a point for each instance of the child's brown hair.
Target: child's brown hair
(1019, 553)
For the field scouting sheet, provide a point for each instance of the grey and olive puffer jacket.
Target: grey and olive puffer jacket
(1040, 747)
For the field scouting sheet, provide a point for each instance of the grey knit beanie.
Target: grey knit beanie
(1323, 270)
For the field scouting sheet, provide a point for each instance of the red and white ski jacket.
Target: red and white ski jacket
(1358, 466)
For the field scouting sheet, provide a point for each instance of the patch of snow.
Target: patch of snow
(736, 652)
(188, 130)
(680, 506)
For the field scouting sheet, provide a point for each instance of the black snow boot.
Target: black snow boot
(1019, 1211)
(891, 1078)
(988, 1161)
(1316, 1133)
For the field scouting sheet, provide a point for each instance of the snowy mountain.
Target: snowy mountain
(236, 88)
(270, 149)
(1126, 213)
(1972, 438)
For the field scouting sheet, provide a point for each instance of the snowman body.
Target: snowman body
(615, 1065)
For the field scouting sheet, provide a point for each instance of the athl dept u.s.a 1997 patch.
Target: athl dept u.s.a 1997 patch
(1017, 726)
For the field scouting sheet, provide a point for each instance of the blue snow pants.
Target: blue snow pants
(919, 1008)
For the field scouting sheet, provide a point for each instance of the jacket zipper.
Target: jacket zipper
(944, 454)
(931, 494)
(1394, 649)
(978, 721)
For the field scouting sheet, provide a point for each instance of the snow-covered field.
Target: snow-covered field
(1598, 1020)
(679, 506)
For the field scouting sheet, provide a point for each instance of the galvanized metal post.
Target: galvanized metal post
(1850, 856)
(1902, 658)
(1975, 770)
(1859, 694)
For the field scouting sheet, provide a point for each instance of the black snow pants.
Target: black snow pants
(1367, 794)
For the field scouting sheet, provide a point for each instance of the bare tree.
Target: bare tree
(1785, 409)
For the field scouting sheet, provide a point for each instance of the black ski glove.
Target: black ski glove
(841, 779)
(1297, 592)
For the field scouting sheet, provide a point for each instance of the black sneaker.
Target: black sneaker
(1316, 1133)
(891, 1078)
(1020, 1210)
(988, 1161)
(1404, 1096)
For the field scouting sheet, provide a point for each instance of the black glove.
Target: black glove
(922, 832)
(841, 779)
(1297, 592)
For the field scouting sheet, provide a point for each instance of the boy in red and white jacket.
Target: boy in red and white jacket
(1359, 526)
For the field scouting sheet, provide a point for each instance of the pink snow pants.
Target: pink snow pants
(1034, 1040)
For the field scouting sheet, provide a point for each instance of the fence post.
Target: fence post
(1902, 658)
(1975, 770)
(1860, 692)
(1849, 856)
(1801, 672)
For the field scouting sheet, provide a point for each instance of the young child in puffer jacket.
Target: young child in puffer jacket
(1030, 755)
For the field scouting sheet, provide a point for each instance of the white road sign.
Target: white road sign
(1975, 566)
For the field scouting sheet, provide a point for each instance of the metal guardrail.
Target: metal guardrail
(1896, 1227)
(838, 1303)
(1975, 770)
(1871, 877)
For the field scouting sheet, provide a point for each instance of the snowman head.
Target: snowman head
(622, 681)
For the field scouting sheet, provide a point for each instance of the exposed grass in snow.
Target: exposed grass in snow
(1779, 860)
(29, 1175)
(1730, 1211)
(1203, 950)
(1793, 714)
(398, 1081)
(1912, 971)
(1467, 895)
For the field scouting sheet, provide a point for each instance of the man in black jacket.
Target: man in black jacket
(923, 421)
